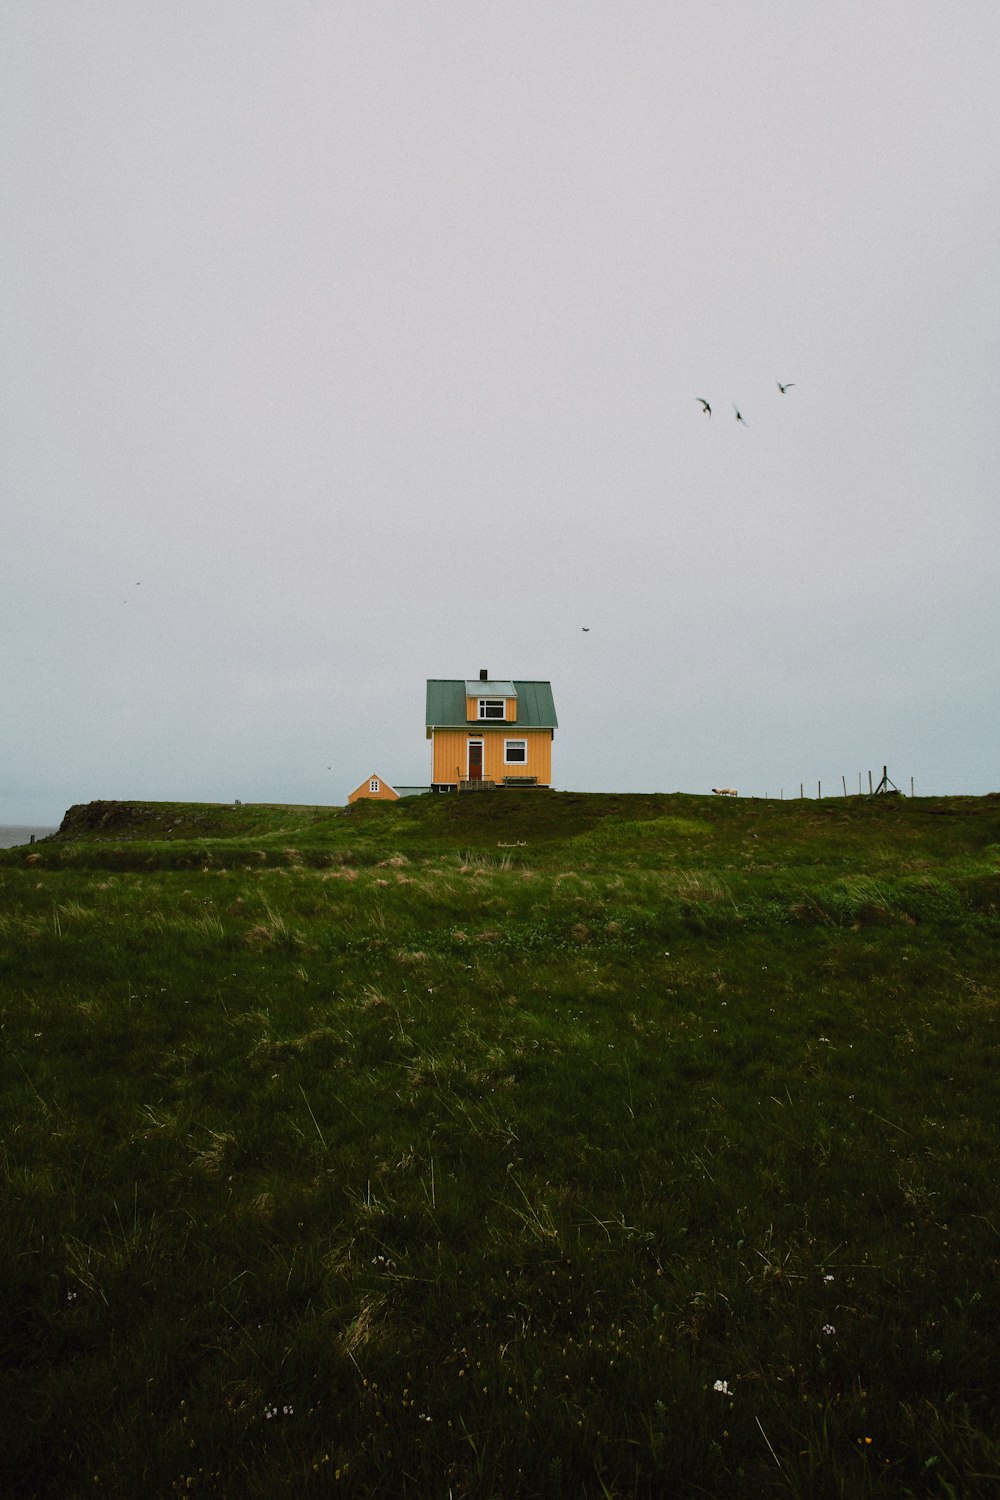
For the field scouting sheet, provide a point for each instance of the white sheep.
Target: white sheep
(725, 791)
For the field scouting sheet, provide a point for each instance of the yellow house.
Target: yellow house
(490, 731)
(376, 787)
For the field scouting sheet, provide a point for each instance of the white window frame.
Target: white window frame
(506, 753)
(374, 785)
(485, 703)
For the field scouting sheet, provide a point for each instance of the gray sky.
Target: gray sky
(348, 345)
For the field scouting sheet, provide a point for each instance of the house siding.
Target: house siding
(451, 757)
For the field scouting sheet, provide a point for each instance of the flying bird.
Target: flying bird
(704, 405)
(739, 415)
(585, 629)
(784, 388)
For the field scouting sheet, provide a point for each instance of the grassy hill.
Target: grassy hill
(521, 1144)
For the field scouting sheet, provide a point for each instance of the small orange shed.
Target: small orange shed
(376, 788)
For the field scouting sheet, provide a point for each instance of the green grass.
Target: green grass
(461, 1146)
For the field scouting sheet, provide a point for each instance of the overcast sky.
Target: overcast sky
(352, 344)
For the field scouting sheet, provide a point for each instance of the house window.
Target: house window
(492, 708)
(515, 752)
(373, 784)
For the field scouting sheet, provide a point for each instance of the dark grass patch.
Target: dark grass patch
(439, 1171)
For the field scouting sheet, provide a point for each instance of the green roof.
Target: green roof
(446, 705)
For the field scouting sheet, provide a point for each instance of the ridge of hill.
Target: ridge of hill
(757, 842)
(552, 815)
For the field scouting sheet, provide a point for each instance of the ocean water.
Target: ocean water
(12, 834)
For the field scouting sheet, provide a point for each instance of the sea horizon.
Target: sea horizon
(12, 835)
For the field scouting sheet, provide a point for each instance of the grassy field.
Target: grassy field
(512, 1145)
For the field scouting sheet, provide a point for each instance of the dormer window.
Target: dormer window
(492, 708)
